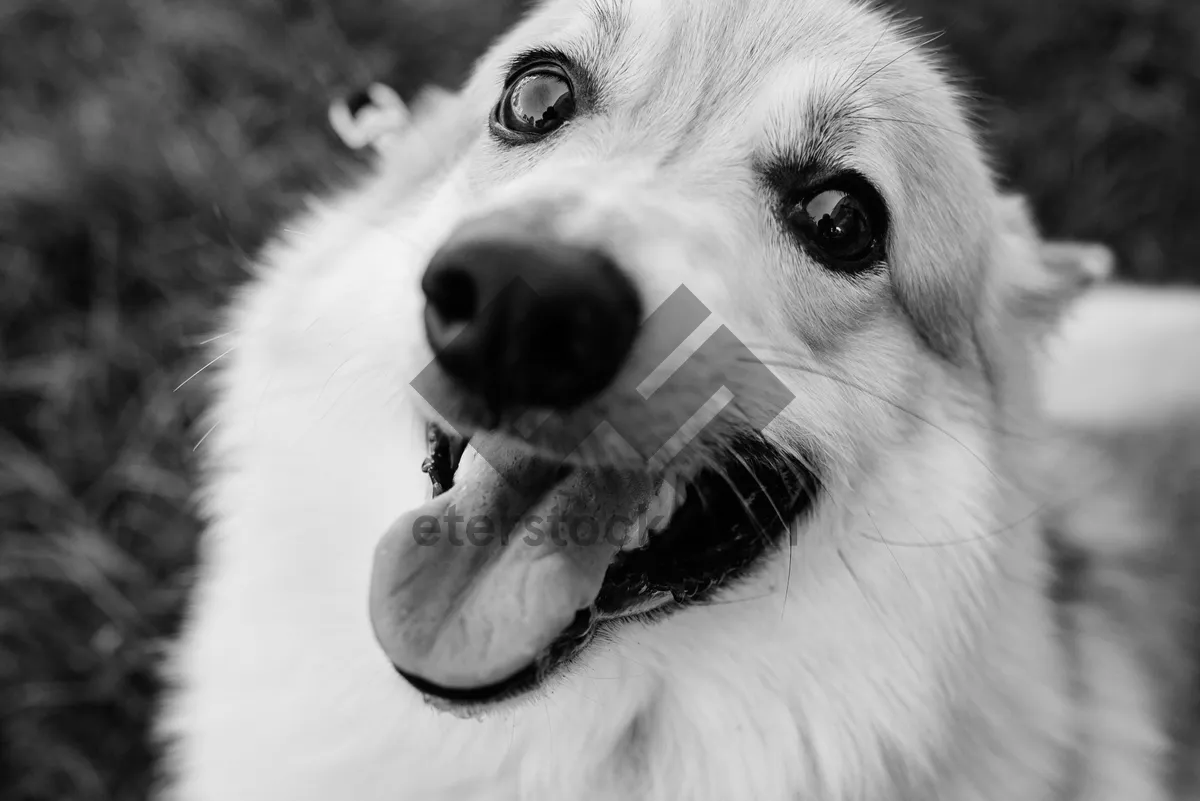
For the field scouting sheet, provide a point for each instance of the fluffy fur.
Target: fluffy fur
(923, 637)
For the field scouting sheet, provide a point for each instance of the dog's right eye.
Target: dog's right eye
(539, 101)
(843, 224)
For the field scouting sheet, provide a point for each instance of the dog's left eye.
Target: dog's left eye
(536, 103)
(842, 227)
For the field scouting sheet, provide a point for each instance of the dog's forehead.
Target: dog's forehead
(778, 76)
(733, 37)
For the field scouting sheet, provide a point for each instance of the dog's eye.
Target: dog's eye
(837, 224)
(841, 227)
(538, 102)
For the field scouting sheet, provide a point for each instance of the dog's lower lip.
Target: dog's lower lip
(465, 700)
(486, 694)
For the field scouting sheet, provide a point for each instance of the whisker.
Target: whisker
(915, 123)
(787, 583)
(211, 429)
(916, 46)
(916, 415)
(854, 576)
(205, 367)
(512, 735)
(1091, 487)
(889, 401)
(872, 605)
(876, 103)
(331, 376)
(762, 532)
(847, 87)
(778, 515)
(202, 342)
(793, 365)
(732, 601)
(875, 526)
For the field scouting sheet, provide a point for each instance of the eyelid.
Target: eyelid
(532, 58)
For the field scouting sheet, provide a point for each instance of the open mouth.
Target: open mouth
(539, 558)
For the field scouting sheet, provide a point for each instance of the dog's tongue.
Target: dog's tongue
(470, 588)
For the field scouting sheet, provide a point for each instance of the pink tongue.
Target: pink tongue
(470, 588)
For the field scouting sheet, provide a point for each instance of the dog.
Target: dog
(907, 493)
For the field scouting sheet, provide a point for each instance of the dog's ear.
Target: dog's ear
(368, 117)
(413, 142)
(1032, 283)
(1043, 277)
(1082, 263)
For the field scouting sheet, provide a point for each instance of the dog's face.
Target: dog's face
(784, 195)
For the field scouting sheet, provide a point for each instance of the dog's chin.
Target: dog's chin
(700, 534)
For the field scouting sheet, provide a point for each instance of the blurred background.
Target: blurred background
(148, 146)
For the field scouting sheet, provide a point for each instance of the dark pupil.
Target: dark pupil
(539, 102)
(835, 215)
(839, 221)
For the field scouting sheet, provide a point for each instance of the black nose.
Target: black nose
(525, 321)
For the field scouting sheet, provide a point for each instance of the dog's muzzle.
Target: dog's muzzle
(523, 554)
(516, 321)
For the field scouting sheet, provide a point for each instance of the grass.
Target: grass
(147, 148)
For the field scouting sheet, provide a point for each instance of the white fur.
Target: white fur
(907, 626)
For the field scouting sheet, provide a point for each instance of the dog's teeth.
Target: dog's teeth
(657, 509)
(662, 506)
(636, 536)
(679, 493)
(469, 455)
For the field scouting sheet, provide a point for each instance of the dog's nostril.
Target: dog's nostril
(453, 294)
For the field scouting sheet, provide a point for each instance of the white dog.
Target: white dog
(752, 479)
